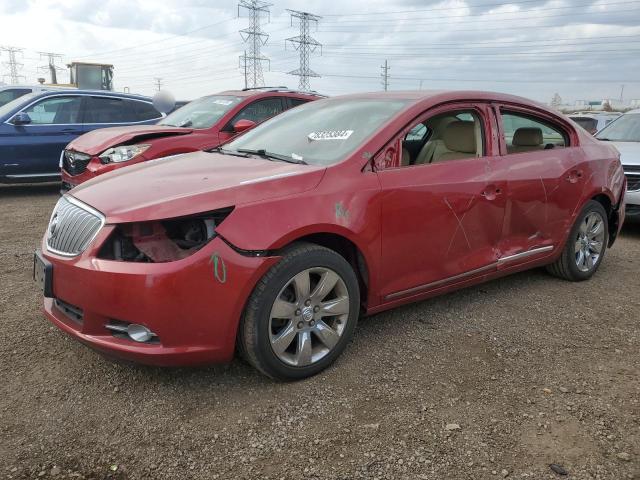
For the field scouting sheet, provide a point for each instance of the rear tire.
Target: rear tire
(301, 314)
(585, 247)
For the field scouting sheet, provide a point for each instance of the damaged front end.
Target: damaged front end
(162, 240)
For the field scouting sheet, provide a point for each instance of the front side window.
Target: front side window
(524, 133)
(454, 135)
(259, 111)
(323, 132)
(625, 129)
(57, 110)
(202, 113)
(11, 94)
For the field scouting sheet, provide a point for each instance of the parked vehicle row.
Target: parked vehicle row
(593, 122)
(277, 241)
(35, 128)
(200, 125)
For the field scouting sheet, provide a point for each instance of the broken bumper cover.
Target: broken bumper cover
(193, 311)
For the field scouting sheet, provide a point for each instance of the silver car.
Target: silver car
(624, 133)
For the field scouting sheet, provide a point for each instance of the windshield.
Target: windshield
(323, 132)
(625, 129)
(201, 113)
(8, 107)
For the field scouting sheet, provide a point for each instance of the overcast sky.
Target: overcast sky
(579, 49)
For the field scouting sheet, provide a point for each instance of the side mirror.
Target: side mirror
(243, 125)
(21, 119)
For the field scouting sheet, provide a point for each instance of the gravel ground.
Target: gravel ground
(499, 380)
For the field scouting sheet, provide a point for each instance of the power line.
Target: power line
(255, 38)
(305, 44)
(51, 66)
(13, 65)
(385, 75)
(158, 83)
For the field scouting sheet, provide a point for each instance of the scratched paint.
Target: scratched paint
(341, 212)
(219, 267)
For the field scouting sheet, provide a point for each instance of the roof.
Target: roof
(440, 96)
(248, 92)
(104, 93)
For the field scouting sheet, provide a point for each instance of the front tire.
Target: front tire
(301, 315)
(585, 246)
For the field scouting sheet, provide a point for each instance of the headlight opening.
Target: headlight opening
(162, 240)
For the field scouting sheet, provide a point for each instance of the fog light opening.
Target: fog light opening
(139, 333)
(131, 331)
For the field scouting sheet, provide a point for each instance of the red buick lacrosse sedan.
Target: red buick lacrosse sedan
(277, 242)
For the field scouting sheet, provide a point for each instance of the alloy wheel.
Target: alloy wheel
(589, 241)
(309, 316)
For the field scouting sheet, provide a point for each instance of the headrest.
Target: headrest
(527, 137)
(460, 136)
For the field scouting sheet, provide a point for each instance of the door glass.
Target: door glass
(55, 111)
(109, 110)
(524, 133)
(145, 111)
(453, 135)
(259, 111)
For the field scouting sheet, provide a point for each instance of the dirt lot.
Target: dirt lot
(500, 380)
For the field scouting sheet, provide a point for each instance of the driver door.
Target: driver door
(443, 206)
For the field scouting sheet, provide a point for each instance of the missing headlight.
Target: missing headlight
(162, 240)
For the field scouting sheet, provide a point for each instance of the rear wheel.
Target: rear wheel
(585, 246)
(301, 314)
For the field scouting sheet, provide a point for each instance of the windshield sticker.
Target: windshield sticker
(223, 102)
(330, 135)
(295, 156)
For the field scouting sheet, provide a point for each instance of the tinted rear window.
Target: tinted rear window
(589, 124)
(145, 111)
(109, 110)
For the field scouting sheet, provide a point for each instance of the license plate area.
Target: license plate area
(43, 274)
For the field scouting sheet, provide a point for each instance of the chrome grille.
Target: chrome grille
(633, 182)
(72, 227)
(75, 162)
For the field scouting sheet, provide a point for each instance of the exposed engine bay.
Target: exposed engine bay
(162, 240)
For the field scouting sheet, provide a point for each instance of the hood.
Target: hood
(629, 152)
(97, 141)
(192, 183)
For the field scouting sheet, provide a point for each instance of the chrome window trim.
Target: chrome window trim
(84, 207)
(81, 95)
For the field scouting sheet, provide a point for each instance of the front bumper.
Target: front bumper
(194, 312)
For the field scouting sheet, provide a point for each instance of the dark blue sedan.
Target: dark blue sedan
(35, 128)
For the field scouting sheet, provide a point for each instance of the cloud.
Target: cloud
(578, 48)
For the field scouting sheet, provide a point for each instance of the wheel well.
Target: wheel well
(349, 251)
(612, 220)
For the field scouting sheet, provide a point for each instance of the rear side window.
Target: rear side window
(145, 111)
(56, 110)
(589, 124)
(11, 94)
(109, 110)
(260, 110)
(526, 133)
(294, 102)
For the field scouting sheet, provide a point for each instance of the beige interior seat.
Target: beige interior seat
(459, 139)
(526, 139)
(435, 145)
